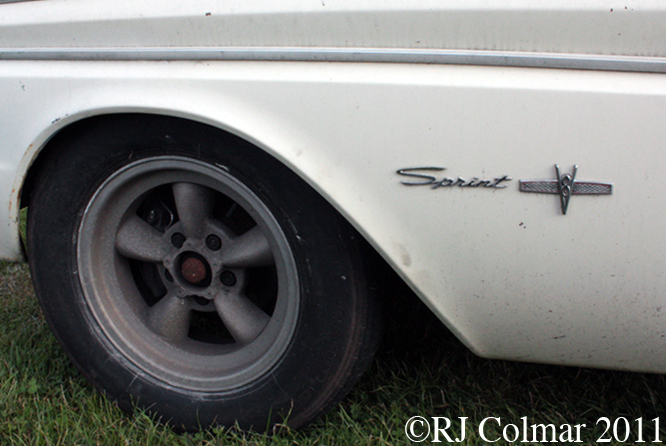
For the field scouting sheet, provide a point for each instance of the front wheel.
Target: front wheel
(188, 272)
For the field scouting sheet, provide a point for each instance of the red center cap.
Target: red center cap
(193, 270)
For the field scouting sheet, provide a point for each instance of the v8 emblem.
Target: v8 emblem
(565, 185)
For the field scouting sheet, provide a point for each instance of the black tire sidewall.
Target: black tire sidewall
(331, 340)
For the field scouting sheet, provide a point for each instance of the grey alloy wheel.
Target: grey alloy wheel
(191, 274)
(188, 273)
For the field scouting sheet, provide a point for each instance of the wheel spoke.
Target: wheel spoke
(195, 206)
(248, 250)
(138, 240)
(244, 320)
(170, 317)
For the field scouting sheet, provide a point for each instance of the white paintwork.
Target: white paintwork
(632, 27)
(510, 275)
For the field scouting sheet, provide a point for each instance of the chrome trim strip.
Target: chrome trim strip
(382, 55)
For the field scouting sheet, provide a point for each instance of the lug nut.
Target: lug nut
(213, 242)
(228, 278)
(177, 240)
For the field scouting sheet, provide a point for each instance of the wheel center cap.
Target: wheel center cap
(193, 270)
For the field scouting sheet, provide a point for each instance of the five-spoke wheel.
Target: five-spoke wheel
(190, 273)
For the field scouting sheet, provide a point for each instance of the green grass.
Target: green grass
(420, 370)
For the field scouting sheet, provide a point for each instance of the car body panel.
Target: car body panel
(633, 28)
(506, 271)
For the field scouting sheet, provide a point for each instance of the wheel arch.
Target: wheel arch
(73, 125)
(51, 203)
(37, 155)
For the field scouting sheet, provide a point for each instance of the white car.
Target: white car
(203, 181)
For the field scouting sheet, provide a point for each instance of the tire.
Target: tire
(188, 272)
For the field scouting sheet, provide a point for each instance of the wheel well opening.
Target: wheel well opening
(115, 196)
(140, 124)
(390, 290)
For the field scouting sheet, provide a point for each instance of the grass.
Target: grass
(420, 370)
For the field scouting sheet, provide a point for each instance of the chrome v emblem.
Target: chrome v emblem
(565, 185)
